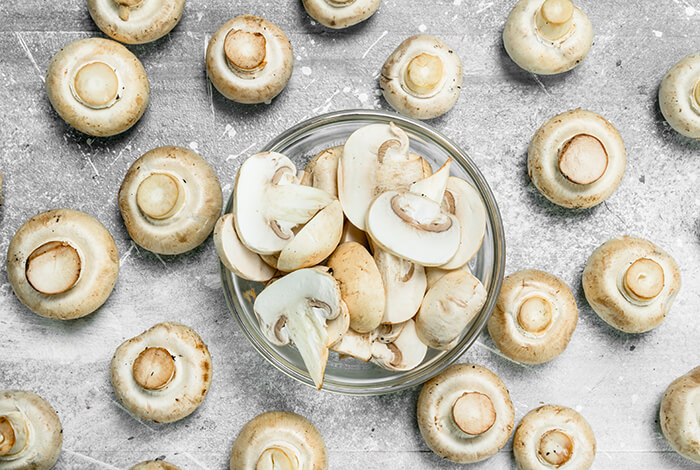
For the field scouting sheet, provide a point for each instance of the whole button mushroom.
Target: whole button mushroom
(30, 432)
(547, 37)
(136, 21)
(155, 465)
(163, 374)
(97, 86)
(170, 200)
(249, 59)
(422, 78)
(576, 159)
(553, 436)
(62, 264)
(631, 283)
(679, 96)
(678, 415)
(339, 14)
(534, 318)
(465, 414)
(279, 440)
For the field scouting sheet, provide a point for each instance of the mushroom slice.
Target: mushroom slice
(576, 159)
(97, 86)
(534, 318)
(405, 285)
(296, 308)
(465, 414)
(631, 283)
(553, 436)
(355, 345)
(361, 285)
(315, 241)
(434, 186)
(268, 202)
(680, 407)
(249, 59)
(413, 227)
(353, 234)
(339, 14)
(465, 203)
(449, 306)
(404, 352)
(235, 256)
(323, 170)
(136, 21)
(422, 78)
(433, 275)
(547, 37)
(679, 96)
(279, 440)
(30, 431)
(155, 465)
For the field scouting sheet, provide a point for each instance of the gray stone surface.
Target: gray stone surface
(614, 380)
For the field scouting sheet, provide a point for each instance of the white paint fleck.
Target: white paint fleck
(374, 43)
(306, 71)
(229, 132)
(194, 146)
(635, 398)
(579, 408)
(422, 28)
(658, 34)
(346, 89)
(298, 57)
(690, 11)
(362, 97)
(457, 2)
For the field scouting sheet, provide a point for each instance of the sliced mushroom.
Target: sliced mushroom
(678, 415)
(433, 186)
(323, 170)
(465, 414)
(279, 440)
(449, 306)
(402, 351)
(631, 283)
(534, 317)
(404, 283)
(553, 436)
(576, 159)
(170, 200)
(547, 37)
(355, 345)
(433, 275)
(163, 374)
(97, 86)
(62, 264)
(235, 256)
(422, 78)
(353, 234)
(136, 21)
(339, 14)
(463, 201)
(679, 96)
(249, 59)
(155, 465)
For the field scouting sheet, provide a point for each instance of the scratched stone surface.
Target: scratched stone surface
(615, 380)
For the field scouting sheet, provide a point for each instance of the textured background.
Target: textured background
(615, 380)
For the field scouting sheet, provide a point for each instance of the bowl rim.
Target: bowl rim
(444, 359)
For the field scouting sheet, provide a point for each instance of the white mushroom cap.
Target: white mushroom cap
(279, 440)
(62, 264)
(402, 351)
(249, 59)
(155, 465)
(339, 14)
(547, 36)
(534, 317)
(136, 21)
(323, 170)
(405, 284)
(463, 201)
(576, 159)
(449, 306)
(679, 96)
(553, 436)
(97, 86)
(631, 283)
(679, 415)
(422, 78)
(163, 374)
(465, 414)
(235, 256)
(30, 432)
(170, 200)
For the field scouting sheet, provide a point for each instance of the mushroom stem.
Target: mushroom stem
(583, 159)
(555, 447)
(159, 196)
(535, 315)
(7, 436)
(554, 19)
(53, 268)
(644, 279)
(275, 458)
(340, 3)
(96, 85)
(474, 413)
(154, 368)
(245, 51)
(423, 74)
(402, 208)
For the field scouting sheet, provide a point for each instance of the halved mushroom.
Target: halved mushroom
(155, 465)
(631, 283)
(170, 200)
(547, 37)
(463, 201)
(404, 283)
(279, 440)
(355, 345)
(553, 436)
(62, 264)
(422, 78)
(269, 203)
(534, 317)
(97, 86)
(678, 416)
(465, 414)
(576, 159)
(249, 59)
(163, 374)
(399, 348)
(30, 432)
(339, 14)
(449, 306)
(136, 21)
(297, 308)
(433, 186)
(679, 96)
(235, 256)
(323, 170)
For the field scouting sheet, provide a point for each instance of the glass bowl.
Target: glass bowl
(349, 376)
